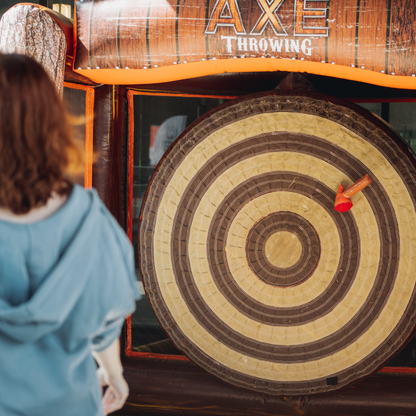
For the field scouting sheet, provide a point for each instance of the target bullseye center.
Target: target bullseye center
(283, 249)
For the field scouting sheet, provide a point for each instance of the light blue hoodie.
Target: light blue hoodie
(66, 285)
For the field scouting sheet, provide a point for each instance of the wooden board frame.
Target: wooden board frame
(130, 96)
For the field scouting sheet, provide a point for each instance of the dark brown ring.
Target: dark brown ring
(296, 273)
(217, 256)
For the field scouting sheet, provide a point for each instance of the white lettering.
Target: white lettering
(263, 44)
(268, 45)
(253, 44)
(276, 45)
(229, 39)
(287, 45)
(305, 50)
(294, 45)
(242, 44)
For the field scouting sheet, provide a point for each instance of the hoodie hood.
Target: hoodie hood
(64, 284)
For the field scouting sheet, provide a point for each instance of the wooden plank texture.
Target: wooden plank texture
(342, 28)
(132, 33)
(103, 42)
(191, 25)
(83, 15)
(372, 34)
(403, 39)
(162, 33)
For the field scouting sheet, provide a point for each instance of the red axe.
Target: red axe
(342, 201)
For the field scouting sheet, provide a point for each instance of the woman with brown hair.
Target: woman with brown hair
(66, 267)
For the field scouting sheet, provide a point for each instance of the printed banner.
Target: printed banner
(155, 34)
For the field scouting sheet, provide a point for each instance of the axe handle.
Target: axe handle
(358, 186)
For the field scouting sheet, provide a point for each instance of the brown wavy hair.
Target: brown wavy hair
(38, 153)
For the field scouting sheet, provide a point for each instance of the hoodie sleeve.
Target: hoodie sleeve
(119, 292)
(110, 331)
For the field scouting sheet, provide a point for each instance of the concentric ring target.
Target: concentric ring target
(249, 268)
(283, 249)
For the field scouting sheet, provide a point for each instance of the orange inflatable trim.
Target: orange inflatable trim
(200, 69)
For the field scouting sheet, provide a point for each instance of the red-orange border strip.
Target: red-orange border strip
(381, 100)
(130, 165)
(398, 370)
(89, 129)
(179, 94)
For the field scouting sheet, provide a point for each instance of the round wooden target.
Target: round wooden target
(248, 267)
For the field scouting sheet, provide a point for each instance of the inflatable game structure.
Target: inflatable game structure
(273, 214)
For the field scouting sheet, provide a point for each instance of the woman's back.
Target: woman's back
(31, 247)
(58, 298)
(66, 278)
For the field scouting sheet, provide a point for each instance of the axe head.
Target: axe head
(342, 203)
